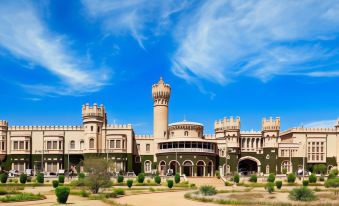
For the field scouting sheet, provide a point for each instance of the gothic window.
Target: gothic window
(138, 147)
(82, 144)
(91, 143)
(186, 133)
(147, 167)
(267, 169)
(72, 145)
(148, 147)
(286, 165)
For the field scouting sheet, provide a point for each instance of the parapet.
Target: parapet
(144, 136)
(271, 124)
(227, 124)
(94, 111)
(119, 126)
(46, 128)
(209, 136)
(161, 90)
(3, 123)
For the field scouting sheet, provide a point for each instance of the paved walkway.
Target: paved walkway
(198, 181)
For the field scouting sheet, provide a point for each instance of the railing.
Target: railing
(186, 150)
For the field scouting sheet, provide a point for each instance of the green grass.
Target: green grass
(22, 197)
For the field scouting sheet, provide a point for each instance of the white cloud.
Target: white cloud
(24, 35)
(321, 124)
(222, 40)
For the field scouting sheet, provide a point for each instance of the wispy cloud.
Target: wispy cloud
(24, 35)
(222, 40)
(321, 124)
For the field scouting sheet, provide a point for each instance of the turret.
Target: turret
(94, 119)
(161, 94)
(270, 131)
(337, 125)
(3, 139)
(228, 127)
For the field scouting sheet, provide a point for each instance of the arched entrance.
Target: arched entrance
(162, 168)
(188, 168)
(175, 167)
(200, 168)
(248, 165)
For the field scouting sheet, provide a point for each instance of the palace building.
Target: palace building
(180, 146)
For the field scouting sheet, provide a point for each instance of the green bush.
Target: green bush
(305, 183)
(62, 194)
(81, 176)
(271, 177)
(55, 183)
(278, 183)
(23, 178)
(217, 174)
(331, 176)
(319, 168)
(78, 182)
(291, 178)
(227, 183)
(302, 194)
(334, 171)
(207, 190)
(334, 182)
(284, 171)
(61, 178)
(119, 191)
(3, 177)
(22, 197)
(236, 178)
(40, 178)
(129, 183)
(269, 187)
(177, 178)
(141, 177)
(157, 179)
(170, 183)
(321, 178)
(312, 178)
(253, 178)
(15, 181)
(29, 179)
(84, 193)
(120, 179)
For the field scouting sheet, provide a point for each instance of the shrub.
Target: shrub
(334, 171)
(119, 191)
(129, 183)
(319, 168)
(15, 181)
(62, 194)
(120, 179)
(61, 178)
(207, 190)
(334, 182)
(305, 183)
(321, 178)
(22, 197)
(170, 183)
(278, 183)
(284, 170)
(217, 173)
(141, 177)
(157, 179)
(84, 193)
(177, 178)
(23, 178)
(253, 178)
(271, 177)
(227, 183)
(312, 178)
(302, 194)
(79, 182)
(331, 176)
(3, 177)
(81, 176)
(269, 187)
(236, 178)
(29, 179)
(55, 183)
(291, 178)
(40, 178)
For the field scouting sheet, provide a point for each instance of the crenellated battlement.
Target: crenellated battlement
(161, 92)
(227, 124)
(271, 124)
(314, 130)
(3, 123)
(209, 136)
(119, 126)
(144, 136)
(45, 128)
(93, 111)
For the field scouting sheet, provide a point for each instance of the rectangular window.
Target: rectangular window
(21, 145)
(27, 147)
(138, 147)
(148, 147)
(60, 145)
(16, 145)
(49, 144)
(111, 144)
(118, 143)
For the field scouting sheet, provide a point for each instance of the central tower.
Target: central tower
(161, 94)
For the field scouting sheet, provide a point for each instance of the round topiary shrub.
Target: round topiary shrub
(119, 191)
(236, 178)
(177, 178)
(278, 183)
(120, 179)
(269, 187)
(3, 177)
(291, 178)
(62, 194)
(271, 177)
(23, 178)
(305, 183)
(81, 176)
(302, 194)
(253, 178)
(157, 179)
(129, 183)
(55, 183)
(321, 178)
(40, 178)
(217, 173)
(61, 178)
(312, 178)
(170, 183)
(207, 190)
(141, 177)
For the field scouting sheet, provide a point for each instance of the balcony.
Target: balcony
(202, 150)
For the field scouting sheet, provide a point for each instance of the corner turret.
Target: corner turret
(3, 139)
(270, 131)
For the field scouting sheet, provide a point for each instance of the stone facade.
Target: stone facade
(181, 147)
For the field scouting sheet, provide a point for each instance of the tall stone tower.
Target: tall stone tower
(161, 94)
(270, 131)
(3, 139)
(94, 119)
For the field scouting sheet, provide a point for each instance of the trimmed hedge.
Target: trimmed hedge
(129, 183)
(302, 194)
(3, 177)
(157, 179)
(141, 177)
(253, 178)
(120, 179)
(332, 183)
(236, 178)
(55, 183)
(312, 178)
(305, 183)
(170, 183)
(81, 176)
(291, 178)
(278, 183)
(207, 190)
(62, 194)
(40, 178)
(61, 178)
(269, 187)
(271, 177)
(177, 178)
(23, 178)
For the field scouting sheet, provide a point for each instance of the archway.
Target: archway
(162, 168)
(188, 168)
(200, 168)
(248, 165)
(174, 166)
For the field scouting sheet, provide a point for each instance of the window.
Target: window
(138, 147)
(98, 129)
(147, 167)
(286, 165)
(118, 144)
(20, 166)
(49, 145)
(137, 159)
(55, 144)
(91, 143)
(52, 167)
(186, 133)
(27, 147)
(92, 128)
(82, 144)
(123, 143)
(148, 147)
(15, 145)
(316, 151)
(72, 145)
(21, 145)
(3, 145)
(111, 144)
(267, 169)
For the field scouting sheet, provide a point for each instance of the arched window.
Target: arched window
(186, 133)
(91, 143)
(286, 165)
(72, 144)
(137, 159)
(82, 144)
(147, 167)
(267, 169)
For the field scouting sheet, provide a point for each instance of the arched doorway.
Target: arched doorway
(162, 168)
(248, 165)
(188, 168)
(200, 168)
(175, 167)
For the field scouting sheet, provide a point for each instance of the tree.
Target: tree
(98, 175)
(319, 168)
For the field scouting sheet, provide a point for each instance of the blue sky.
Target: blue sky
(251, 59)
